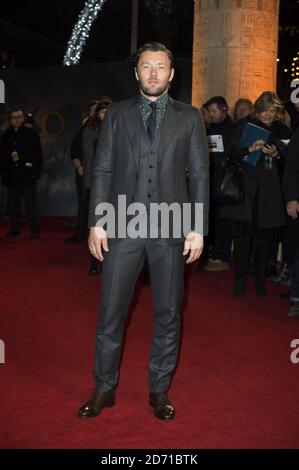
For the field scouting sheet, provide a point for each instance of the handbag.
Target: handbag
(229, 188)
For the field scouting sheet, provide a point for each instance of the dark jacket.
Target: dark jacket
(228, 130)
(182, 144)
(291, 174)
(88, 143)
(76, 144)
(263, 190)
(27, 169)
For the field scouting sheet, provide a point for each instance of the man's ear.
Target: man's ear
(171, 75)
(136, 74)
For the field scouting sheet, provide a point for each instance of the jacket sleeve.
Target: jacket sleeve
(198, 171)
(237, 153)
(5, 160)
(76, 145)
(291, 174)
(102, 171)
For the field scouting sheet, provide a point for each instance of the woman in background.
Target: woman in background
(260, 217)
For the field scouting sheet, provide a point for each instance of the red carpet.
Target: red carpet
(235, 385)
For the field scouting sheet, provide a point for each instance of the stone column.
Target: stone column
(234, 49)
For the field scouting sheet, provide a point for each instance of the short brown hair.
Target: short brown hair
(15, 110)
(154, 47)
(220, 101)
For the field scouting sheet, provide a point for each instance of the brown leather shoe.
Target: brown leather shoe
(96, 403)
(163, 408)
(216, 265)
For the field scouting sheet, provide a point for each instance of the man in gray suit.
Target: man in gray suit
(145, 147)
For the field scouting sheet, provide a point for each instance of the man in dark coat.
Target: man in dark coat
(21, 164)
(291, 192)
(221, 137)
(146, 144)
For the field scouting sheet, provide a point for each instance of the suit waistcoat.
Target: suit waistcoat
(146, 190)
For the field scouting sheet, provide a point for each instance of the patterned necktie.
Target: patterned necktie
(151, 123)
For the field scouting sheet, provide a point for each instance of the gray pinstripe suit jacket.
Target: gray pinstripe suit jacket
(182, 145)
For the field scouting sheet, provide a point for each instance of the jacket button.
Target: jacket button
(148, 195)
(149, 181)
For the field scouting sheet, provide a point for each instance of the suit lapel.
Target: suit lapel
(170, 124)
(133, 122)
(132, 119)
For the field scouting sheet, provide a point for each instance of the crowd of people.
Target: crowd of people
(252, 230)
(265, 217)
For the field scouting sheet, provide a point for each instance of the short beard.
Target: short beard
(160, 91)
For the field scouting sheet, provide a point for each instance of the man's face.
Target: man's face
(205, 115)
(154, 73)
(216, 113)
(16, 119)
(242, 111)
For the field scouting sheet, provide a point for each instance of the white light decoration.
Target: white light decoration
(295, 66)
(81, 31)
(88, 15)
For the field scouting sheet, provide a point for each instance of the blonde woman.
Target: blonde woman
(260, 217)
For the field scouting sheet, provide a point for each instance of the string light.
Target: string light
(295, 67)
(81, 31)
(88, 15)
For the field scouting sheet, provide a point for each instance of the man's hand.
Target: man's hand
(80, 170)
(97, 241)
(293, 209)
(193, 246)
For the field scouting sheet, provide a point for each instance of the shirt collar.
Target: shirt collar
(160, 102)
